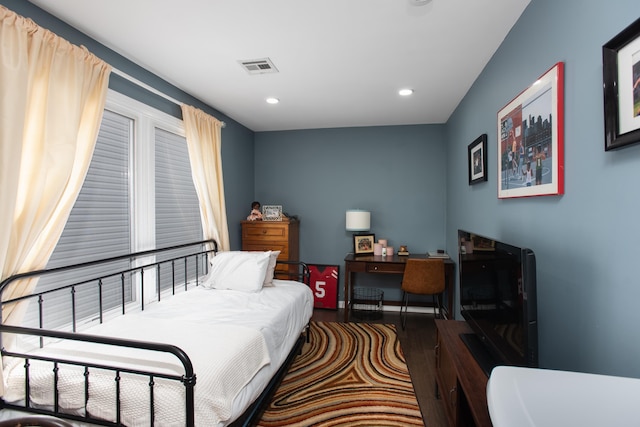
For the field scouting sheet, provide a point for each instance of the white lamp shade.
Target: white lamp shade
(358, 220)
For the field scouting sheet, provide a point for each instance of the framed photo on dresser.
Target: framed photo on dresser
(272, 213)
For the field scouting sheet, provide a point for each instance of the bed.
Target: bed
(204, 343)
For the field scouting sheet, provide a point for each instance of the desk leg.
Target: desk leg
(347, 291)
(451, 283)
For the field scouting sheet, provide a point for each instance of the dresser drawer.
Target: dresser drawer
(383, 267)
(268, 231)
(273, 236)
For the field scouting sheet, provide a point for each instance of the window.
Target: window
(176, 203)
(138, 195)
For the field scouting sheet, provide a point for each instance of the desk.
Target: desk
(376, 264)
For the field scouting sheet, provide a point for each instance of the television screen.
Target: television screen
(498, 301)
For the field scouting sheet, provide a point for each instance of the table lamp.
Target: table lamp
(358, 220)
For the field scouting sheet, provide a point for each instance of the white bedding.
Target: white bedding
(236, 341)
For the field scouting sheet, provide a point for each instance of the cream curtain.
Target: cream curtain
(51, 104)
(205, 154)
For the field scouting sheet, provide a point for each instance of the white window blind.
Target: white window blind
(177, 209)
(138, 195)
(98, 227)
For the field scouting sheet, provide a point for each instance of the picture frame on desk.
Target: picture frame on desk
(363, 244)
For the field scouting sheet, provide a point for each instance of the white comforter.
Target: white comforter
(230, 337)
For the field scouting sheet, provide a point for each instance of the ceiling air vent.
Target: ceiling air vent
(259, 66)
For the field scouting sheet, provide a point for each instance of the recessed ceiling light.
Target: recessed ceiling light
(405, 92)
(272, 100)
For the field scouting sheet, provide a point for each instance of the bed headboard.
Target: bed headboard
(164, 267)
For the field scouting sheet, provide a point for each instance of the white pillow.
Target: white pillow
(271, 269)
(238, 270)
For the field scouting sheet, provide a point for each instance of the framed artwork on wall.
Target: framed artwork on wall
(363, 244)
(477, 160)
(621, 85)
(530, 146)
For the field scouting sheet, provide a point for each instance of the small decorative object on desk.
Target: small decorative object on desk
(403, 251)
(377, 249)
(438, 254)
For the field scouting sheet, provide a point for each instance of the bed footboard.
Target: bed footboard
(188, 379)
(155, 272)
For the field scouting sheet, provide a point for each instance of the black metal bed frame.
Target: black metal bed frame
(188, 378)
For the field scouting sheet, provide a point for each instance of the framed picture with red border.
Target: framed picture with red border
(324, 284)
(530, 154)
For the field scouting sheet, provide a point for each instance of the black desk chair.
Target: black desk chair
(422, 277)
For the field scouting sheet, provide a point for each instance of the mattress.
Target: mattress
(236, 341)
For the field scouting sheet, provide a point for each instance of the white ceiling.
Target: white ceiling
(341, 62)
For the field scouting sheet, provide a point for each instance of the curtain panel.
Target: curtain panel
(204, 140)
(53, 98)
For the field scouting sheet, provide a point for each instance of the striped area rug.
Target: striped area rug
(350, 374)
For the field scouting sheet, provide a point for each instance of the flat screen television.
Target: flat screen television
(498, 301)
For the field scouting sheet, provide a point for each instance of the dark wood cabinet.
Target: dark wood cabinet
(460, 382)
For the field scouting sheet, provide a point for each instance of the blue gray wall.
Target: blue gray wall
(397, 173)
(414, 181)
(585, 240)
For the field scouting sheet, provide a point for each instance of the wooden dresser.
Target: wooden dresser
(460, 382)
(283, 236)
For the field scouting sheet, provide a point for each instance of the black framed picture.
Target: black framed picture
(477, 158)
(621, 85)
(363, 244)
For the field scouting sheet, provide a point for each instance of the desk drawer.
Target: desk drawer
(383, 267)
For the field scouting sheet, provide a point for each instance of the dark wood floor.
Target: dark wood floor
(418, 341)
